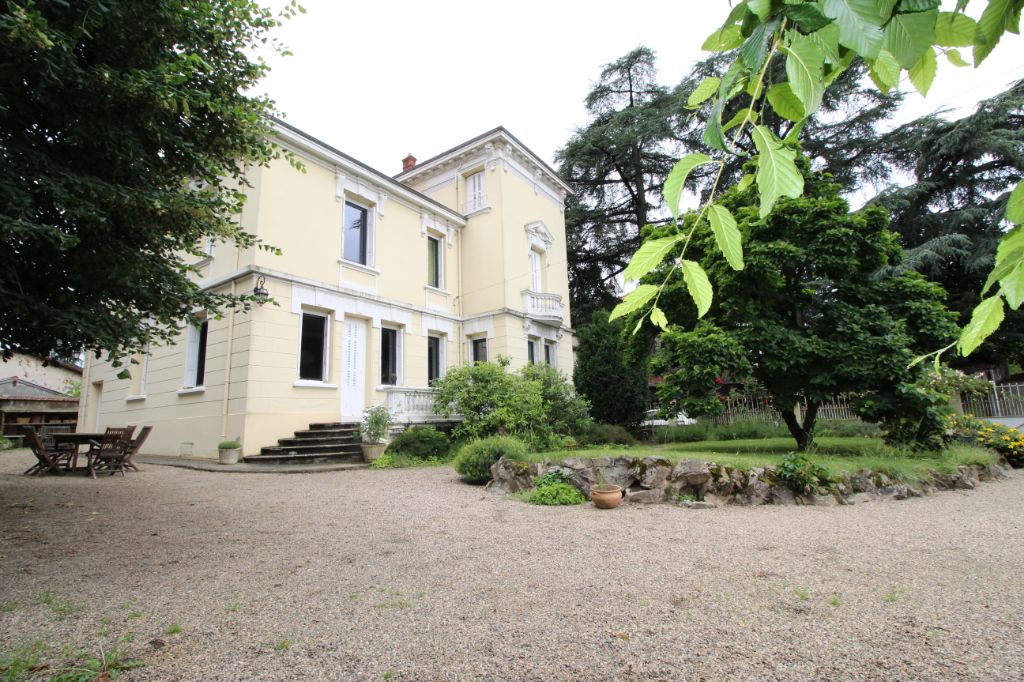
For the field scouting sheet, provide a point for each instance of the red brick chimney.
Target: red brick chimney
(408, 162)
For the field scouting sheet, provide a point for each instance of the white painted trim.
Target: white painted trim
(309, 383)
(539, 236)
(135, 398)
(400, 333)
(189, 391)
(325, 368)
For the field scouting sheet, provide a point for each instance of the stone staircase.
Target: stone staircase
(327, 442)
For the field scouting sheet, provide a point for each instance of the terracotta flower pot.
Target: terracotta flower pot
(606, 496)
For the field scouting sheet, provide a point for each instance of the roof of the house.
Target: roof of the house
(16, 387)
(384, 179)
(500, 131)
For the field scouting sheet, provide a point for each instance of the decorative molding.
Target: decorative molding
(539, 235)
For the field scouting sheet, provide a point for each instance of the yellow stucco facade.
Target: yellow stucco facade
(382, 283)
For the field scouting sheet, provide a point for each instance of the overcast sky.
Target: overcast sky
(380, 80)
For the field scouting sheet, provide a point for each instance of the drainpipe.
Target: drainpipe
(231, 344)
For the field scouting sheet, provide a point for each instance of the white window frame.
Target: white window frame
(531, 350)
(442, 354)
(371, 233)
(192, 344)
(325, 370)
(536, 271)
(439, 238)
(139, 387)
(399, 354)
(551, 357)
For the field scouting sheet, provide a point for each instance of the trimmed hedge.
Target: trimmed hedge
(420, 442)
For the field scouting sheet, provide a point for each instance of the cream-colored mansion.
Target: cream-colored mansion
(384, 283)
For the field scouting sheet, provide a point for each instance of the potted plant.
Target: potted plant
(374, 429)
(605, 495)
(229, 451)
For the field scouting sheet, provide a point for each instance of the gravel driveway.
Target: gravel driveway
(411, 575)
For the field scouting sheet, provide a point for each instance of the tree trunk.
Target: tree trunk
(803, 433)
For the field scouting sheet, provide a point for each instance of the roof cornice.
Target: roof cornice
(524, 155)
(300, 141)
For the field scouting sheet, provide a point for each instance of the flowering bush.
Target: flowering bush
(1007, 441)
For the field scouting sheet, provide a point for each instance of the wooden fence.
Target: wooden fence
(739, 408)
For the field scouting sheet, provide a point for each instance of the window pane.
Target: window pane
(480, 350)
(201, 357)
(433, 358)
(433, 262)
(355, 234)
(312, 347)
(388, 356)
(547, 353)
(531, 352)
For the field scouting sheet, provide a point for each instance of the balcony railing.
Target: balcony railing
(543, 306)
(475, 203)
(411, 404)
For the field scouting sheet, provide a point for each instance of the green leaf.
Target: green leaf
(777, 174)
(793, 136)
(124, 374)
(1013, 286)
(761, 8)
(998, 272)
(699, 286)
(785, 103)
(907, 36)
(860, 24)
(1010, 243)
(745, 182)
(919, 5)
(704, 90)
(649, 256)
(985, 319)
(755, 50)
(1015, 205)
(954, 58)
(828, 40)
(922, 74)
(673, 188)
(634, 301)
(725, 38)
(997, 17)
(727, 235)
(713, 135)
(808, 18)
(740, 116)
(885, 71)
(953, 29)
(804, 64)
(658, 318)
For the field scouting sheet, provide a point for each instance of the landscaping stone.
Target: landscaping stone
(512, 476)
(780, 494)
(690, 504)
(863, 481)
(757, 490)
(691, 473)
(655, 472)
(654, 496)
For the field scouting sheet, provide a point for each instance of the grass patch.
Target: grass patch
(61, 607)
(104, 665)
(173, 629)
(396, 603)
(283, 645)
(399, 461)
(21, 662)
(836, 455)
(9, 607)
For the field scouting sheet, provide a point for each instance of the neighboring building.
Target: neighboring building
(63, 377)
(383, 284)
(34, 392)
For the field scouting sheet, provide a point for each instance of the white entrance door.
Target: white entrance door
(353, 370)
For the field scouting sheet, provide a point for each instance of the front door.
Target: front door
(353, 369)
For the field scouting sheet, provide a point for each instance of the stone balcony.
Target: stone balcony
(411, 404)
(544, 307)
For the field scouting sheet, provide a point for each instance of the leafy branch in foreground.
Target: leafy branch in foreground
(820, 39)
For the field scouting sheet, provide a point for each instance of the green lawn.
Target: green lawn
(837, 455)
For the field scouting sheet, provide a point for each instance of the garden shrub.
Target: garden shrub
(801, 474)
(556, 494)
(473, 463)
(847, 428)
(747, 429)
(550, 478)
(601, 434)
(421, 442)
(1007, 441)
(385, 461)
(565, 412)
(688, 433)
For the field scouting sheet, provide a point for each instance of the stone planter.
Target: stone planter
(229, 456)
(606, 496)
(371, 451)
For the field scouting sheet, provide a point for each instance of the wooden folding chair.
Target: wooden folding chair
(111, 452)
(48, 459)
(133, 449)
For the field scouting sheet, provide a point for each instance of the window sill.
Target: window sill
(206, 260)
(135, 398)
(479, 211)
(370, 270)
(435, 290)
(388, 387)
(189, 391)
(309, 383)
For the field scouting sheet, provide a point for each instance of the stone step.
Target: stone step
(346, 448)
(334, 426)
(315, 440)
(307, 458)
(352, 434)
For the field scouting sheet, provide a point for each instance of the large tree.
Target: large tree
(812, 319)
(125, 130)
(606, 375)
(616, 165)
